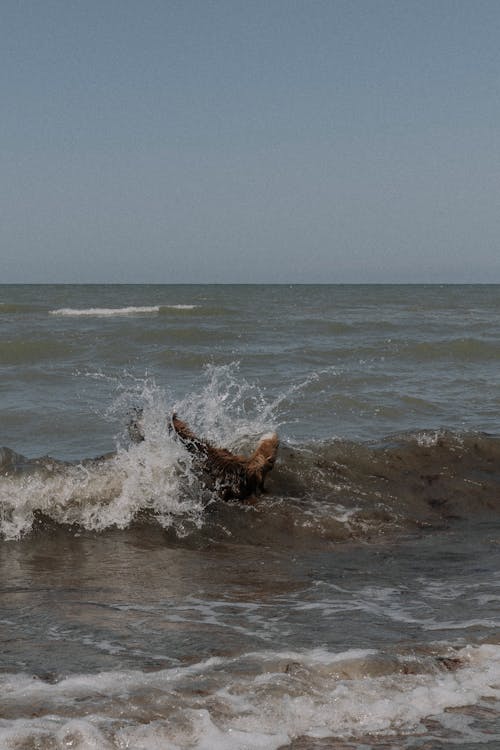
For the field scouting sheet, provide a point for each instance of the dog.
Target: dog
(233, 477)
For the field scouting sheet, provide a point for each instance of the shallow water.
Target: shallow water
(356, 605)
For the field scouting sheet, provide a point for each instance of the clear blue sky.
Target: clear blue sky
(228, 141)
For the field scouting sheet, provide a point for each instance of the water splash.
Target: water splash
(227, 409)
(154, 477)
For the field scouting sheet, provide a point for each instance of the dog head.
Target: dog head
(267, 449)
(262, 460)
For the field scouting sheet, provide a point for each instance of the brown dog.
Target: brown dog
(233, 477)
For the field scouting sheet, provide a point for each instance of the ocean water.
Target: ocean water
(355, 605)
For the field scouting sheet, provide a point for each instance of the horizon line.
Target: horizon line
(250, 283)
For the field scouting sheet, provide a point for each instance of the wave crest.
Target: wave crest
(332, 491)
(153, 478)
(104, 312)
(102, 493)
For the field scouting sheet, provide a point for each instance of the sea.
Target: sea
(353, 606)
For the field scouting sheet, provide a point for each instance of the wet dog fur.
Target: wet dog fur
(231, 476)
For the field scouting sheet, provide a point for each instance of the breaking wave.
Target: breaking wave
(152, 477)
(102, 312)
(332, 491)
(258, 701)
(152, 480)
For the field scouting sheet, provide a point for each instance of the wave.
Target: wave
(97, 494)
(103, 312)
(260, 700)
(152, 480)
(326, 491)
(338, 491)
(166, 308)
(332, 491)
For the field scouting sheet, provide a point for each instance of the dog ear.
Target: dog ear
(263, 459)
(267, 449)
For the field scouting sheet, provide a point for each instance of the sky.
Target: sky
(220, 141)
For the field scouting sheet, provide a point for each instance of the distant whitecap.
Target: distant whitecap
(116, 311)
(105, 311)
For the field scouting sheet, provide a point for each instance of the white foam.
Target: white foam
(154, 476)
(98, 496)
(227, 409)
(258, 701)
(103, 312)
(106, 311)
